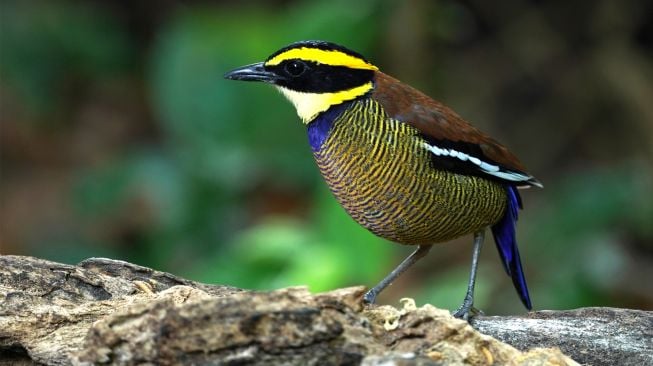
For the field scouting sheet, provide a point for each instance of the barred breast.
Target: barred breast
(380, 172)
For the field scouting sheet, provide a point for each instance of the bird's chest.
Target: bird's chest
(379, 171)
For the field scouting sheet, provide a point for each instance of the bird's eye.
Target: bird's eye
(295, 68)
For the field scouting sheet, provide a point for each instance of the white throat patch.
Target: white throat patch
(309, 105)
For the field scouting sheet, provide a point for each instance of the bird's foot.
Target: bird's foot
(467, 310)
(370, 297)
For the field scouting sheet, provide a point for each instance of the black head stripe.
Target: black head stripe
(322, 78)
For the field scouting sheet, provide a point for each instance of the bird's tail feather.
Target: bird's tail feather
(504, 237)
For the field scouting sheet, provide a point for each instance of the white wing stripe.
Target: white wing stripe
(485, 167)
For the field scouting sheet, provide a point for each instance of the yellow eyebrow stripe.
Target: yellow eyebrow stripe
(325, 57)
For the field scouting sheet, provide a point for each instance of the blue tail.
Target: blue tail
(504, 237)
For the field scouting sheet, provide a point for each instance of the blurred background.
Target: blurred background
(120, 138)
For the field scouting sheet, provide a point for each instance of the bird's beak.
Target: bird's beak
(253, 72)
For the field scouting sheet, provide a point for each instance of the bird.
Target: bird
(402, 165)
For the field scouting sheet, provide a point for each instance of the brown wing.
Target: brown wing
(438, 122)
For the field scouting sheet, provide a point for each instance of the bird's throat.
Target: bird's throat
(309, 105)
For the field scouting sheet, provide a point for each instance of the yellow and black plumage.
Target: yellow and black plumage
(403, 165)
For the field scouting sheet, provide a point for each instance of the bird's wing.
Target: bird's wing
(454, 143)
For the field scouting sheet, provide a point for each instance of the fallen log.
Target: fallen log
(105, 311)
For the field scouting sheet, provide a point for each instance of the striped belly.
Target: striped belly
(381, 174)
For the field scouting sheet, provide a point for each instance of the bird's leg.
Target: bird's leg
(467, 307)
(421, 251)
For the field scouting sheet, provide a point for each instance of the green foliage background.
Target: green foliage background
(120, 138)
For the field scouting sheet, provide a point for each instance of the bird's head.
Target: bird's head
(313, 75)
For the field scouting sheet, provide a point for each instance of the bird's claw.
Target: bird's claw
(370, 297)
(467, 311)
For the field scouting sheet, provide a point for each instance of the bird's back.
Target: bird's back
(384, 177)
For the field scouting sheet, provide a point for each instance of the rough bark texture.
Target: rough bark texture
(111, 312)
(595, 336)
